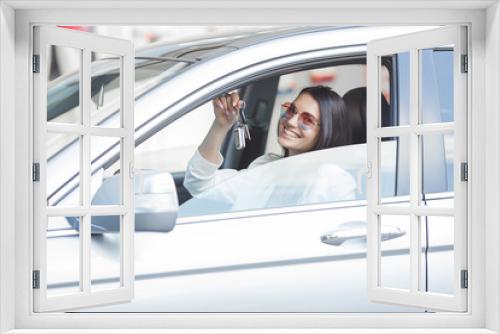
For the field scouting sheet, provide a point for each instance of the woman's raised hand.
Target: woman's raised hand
(226, 109)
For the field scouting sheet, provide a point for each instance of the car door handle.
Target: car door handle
(338, 237)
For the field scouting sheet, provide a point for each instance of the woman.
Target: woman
(315, 120)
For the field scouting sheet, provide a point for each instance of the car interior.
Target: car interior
(261, 98)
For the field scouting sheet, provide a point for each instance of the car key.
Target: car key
(239, 136)
(241, 131)
(244, 121)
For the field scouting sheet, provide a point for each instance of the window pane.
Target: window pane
(395, 252)
(437, 169)
(437, 261)
(395, 107)
(164, 151)
(105, 90)
(63, 255)
(63, 84)
(394, 180)
(106, 179)
(105, 253)
(436, 84)
(63, 169)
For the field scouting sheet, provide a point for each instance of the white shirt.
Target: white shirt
(202, 174)
(305, 179)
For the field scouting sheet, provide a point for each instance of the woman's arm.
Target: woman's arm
(202, 171)
(202, 175)
(226, 109)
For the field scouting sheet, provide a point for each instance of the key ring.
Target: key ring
(244, 104)
(241, 112)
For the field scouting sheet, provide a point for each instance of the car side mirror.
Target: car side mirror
(156, 203)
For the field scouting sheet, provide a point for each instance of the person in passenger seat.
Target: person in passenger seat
(317, 119)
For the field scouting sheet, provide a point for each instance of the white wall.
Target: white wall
(492, 269)
(6, 166)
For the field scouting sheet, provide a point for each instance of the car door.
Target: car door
(281, 257)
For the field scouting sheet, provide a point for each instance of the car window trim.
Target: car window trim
(292, 209)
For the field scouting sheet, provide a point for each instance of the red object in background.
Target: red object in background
(79, 28)
(151, 37)
(319, 77)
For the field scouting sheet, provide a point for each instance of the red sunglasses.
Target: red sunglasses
(306, 121)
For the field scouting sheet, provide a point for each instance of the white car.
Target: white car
(283, 253)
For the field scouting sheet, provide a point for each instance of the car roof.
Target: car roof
(286, 32)
(203, 48)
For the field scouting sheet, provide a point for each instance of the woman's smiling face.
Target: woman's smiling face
(293, 137)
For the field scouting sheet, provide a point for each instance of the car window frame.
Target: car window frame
(349, 60)
(309, 64)
(357, 57)
(306, 65)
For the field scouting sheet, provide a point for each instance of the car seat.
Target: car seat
(355, 101)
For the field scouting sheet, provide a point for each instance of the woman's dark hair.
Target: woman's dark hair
(335, 125)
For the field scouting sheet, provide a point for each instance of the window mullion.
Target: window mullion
(127, 221)
(86, 173)
(373, 245)
(460, 155)
(415, 173)
(419, 211)
(40, 188)
(440, 128)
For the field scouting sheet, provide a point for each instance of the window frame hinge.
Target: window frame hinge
(464, 171)
(464, 59)
(36, 279)
(36, 172)
(36, 63)
(464, 279)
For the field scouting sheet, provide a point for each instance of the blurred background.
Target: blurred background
(64, 62)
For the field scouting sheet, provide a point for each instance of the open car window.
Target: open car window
(325, 176)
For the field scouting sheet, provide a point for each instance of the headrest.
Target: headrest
(355, 101)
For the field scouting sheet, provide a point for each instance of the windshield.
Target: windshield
(153, 65)
(63, 93)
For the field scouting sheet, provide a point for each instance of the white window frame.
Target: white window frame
(414, 43)
(86, 43)
(483, 18)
